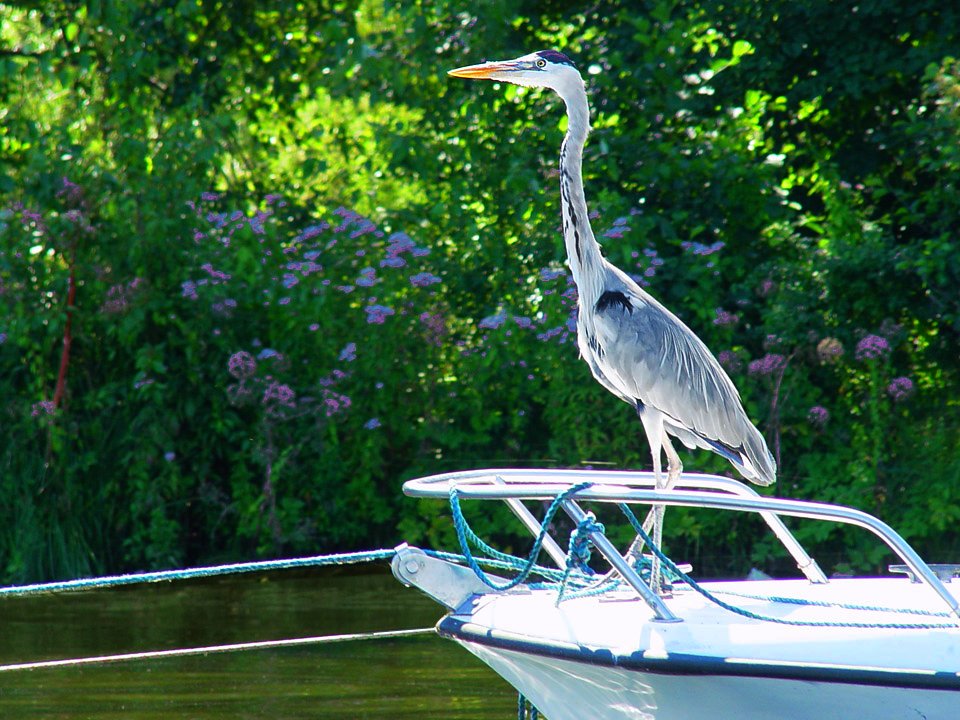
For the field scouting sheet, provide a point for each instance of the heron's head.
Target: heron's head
(547, 69)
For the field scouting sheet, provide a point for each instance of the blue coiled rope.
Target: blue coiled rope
(694, 585)
(467, 537)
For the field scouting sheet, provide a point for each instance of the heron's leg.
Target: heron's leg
(656, 436)
(674, 467)
(654, 520)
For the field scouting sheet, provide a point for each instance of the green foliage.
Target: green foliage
(210, 177)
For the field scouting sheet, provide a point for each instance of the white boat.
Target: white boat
(807, 648)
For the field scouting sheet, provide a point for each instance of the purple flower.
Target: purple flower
(279, 394)
(189, 289)
(216, 275)
(725, 318)
(492, 322)
(334, 402)
(268, 354)
(169, 456)
(872, 347)
(393, 262)
(242, 365)
(349, 352)
(399, 243)
(368, 277)
(700, 249)
(818, 416)
(377, 314)
(424, 279)
(364, 226)
(900, 388)
(548, 274)
(523, 321)
(768, 364)
(44, 407)
(436, 326)
(730, 360)
(372, 424)
(70, 190)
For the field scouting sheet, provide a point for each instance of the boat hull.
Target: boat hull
(567, 689)
(831, 653)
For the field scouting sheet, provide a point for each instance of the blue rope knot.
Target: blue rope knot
(578, 551)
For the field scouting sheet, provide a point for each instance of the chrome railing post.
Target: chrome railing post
(613, 556)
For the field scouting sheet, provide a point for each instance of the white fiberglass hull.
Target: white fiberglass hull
(608, 658)
(569, 690)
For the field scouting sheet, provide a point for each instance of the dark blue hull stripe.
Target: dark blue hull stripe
(683, 664)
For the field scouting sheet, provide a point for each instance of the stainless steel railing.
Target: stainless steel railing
(693, 490)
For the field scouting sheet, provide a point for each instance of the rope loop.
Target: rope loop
(467, 537)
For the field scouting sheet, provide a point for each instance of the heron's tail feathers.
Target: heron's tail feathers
(756, 461)
(752, 458)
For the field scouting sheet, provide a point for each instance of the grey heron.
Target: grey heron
(635, 347)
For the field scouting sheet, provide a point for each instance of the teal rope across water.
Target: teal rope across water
(98, 583)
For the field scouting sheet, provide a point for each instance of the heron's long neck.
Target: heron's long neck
(583, 252)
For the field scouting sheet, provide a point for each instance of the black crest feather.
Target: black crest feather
(557, 57)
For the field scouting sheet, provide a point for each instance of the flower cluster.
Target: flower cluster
(818, 415)
(724, 318)
(767, 365)
(900, 388)
(872, 347)
(377, 313)
(829, 350)
(119, 296)
(242, 365)
(730, 360)
(701, 249)
(435, 326)
(347, 257)
(44, 407)
(424, 279)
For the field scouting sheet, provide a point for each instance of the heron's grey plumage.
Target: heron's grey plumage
(635, 347)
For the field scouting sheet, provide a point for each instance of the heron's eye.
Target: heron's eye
(541, 63)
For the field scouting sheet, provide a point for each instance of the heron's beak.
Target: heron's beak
(483, 71)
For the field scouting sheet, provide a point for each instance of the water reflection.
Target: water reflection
(418, 677)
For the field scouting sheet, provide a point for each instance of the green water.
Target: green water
(413, 677)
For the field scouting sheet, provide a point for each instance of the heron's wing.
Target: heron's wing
(647, 353)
